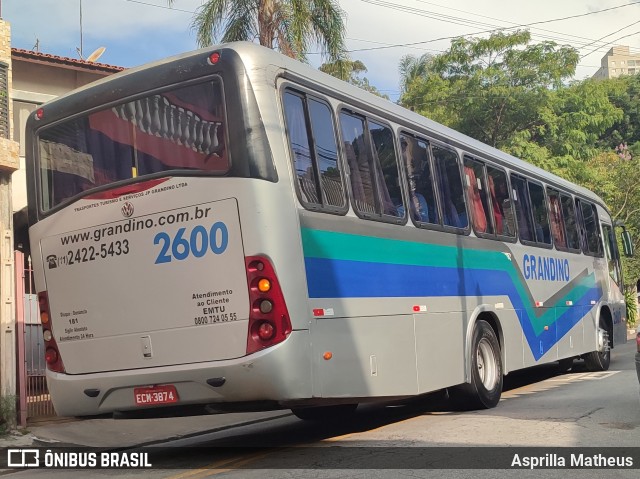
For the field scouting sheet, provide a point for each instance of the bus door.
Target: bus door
(614, 295)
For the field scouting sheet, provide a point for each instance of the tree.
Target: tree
(624, 93)
(412, 68)
(615, 177)
(491, 88)
(350, 71)
(289, 26)
(512, 95)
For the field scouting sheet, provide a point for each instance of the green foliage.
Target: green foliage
(625, 95)
(631, 301)
(578, 116)
(616, 179)
(493, 89)
(7, 414)
(350, 71)
(515, 96)
(289, 26)
(413, 68)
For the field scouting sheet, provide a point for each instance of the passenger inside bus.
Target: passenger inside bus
(414, 154)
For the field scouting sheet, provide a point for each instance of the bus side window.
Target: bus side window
(326, 149)
(300, 146)
(612, 253)
(557, 221)
(504, 216)
(451, 192)
(593, 245)
(386, 169)
(359, 161)
(570, 223)
(371, 156)
(540, 213)
(478, 199)
(315, 153)
(523, 208)
(422, 198)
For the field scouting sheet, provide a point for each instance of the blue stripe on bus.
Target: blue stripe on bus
(334, 278)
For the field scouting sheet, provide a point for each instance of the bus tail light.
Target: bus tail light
(51, 353)
(269, 322)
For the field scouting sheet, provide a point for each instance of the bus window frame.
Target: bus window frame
(366, 116)
(527, 180)
(305, 94)
(494, 236)
(35, 147)
(585, 242)
(610, 242)
(560, 192)
(421, 224)
(450, 229)
(499, 237)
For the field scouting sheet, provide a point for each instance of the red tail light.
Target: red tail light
(52, 354)
(638, 342)
(269, 322)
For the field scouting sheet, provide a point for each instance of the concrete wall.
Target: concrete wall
(8, 164)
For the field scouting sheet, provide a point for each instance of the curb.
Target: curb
(54, 444)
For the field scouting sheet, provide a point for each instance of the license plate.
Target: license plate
(155, 395)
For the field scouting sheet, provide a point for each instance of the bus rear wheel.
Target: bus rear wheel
(325, 413)
(485, 388)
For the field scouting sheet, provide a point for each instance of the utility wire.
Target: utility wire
(613, 41)
(166, 7)
(416, 11)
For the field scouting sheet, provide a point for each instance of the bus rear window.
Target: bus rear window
(180, 129)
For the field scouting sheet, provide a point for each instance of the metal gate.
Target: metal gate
(32, 385)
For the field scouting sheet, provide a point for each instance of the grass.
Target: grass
(7, 414)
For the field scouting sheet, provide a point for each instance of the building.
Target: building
(618, 61)
(37, 78)
(8, 164)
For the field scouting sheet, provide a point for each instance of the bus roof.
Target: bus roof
(256, 59)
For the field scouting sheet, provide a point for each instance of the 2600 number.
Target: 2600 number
(199, 242)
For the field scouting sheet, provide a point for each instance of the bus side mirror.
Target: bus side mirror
(627, 244)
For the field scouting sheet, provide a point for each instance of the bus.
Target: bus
(230, 229)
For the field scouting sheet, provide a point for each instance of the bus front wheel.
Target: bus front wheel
(485, 388)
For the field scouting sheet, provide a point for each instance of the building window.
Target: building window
(4, 100)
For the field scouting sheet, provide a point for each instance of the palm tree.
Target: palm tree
(289, 26)
(412, 67)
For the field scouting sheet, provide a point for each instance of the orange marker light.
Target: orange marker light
(328, 355)
(44, 317)
(264, 285)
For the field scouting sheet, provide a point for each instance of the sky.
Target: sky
(379, 32)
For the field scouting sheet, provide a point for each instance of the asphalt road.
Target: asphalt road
(540, 408)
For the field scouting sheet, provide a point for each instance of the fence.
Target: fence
(34, 400)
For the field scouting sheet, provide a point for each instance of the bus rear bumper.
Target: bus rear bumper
(279, 373)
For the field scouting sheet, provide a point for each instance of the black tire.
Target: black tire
(600, 360)
(565, 365)
(334, 413)
(485, 388)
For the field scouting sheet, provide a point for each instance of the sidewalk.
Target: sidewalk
(117, 433)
